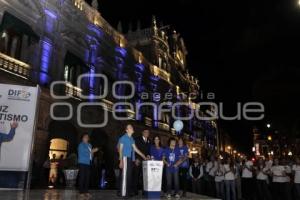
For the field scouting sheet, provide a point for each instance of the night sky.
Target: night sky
(243, 50)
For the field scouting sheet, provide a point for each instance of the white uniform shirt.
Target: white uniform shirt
(296, 169)
(211, 168)
(262, 174)
(219, 173)
(229, 175)
(278, 173)
(246, 173)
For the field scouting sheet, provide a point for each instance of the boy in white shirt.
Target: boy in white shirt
(210, 170)
(247, 180)
(296, 172)
(219, 179)
(229, 178)
(281, 181)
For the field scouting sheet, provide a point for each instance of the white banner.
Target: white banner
(17, 121)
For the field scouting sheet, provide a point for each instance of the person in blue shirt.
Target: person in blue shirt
(85, 156)
(156, 151)
(8, 137)
(184, 166)
(127, 149)
(172, 161)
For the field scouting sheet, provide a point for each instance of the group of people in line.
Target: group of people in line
(226, 178)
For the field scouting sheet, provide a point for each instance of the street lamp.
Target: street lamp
(270, 138)
(229, 149)
(269, 125)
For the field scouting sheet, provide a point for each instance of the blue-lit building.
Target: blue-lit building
(43, 41)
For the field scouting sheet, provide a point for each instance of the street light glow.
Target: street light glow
(269, 125)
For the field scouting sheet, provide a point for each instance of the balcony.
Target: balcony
(148, 121)
(163, 126)
(156, 71)
(72, 91)
(14, 66)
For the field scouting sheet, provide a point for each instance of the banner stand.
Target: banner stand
(18, 103)
(29, 174)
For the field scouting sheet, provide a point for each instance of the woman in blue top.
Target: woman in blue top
(156, 151)
(172, 161)
(85, 156)
(184, 166)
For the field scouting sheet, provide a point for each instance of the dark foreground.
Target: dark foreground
(72, 195)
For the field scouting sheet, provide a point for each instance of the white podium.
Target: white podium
(152, 176)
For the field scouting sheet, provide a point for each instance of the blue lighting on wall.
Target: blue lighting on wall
(121, 51)
(46, 54)
(99, 32)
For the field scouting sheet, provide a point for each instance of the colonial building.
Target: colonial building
(45, 41)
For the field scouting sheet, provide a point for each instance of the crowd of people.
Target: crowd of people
(227, 178)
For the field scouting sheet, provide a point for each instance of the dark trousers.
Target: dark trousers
(183, 179)
(281, 191)
(84, 178)
(126, 177)
(297, 190)
(263, 190)
(196, 186)
(172, 177)
(211, 187)
(220, 189)
(247, 188)
(137, 178)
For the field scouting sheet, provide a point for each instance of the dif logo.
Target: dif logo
(21, 94)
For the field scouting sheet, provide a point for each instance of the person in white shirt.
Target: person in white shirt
(281, 181)
(262, 170)
(219, 179)
(229, 177)
(247, 180)
(210, 168)
(296, 172)
(196, 173)
(238, 181)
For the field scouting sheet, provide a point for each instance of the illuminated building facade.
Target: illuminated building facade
(42, 41)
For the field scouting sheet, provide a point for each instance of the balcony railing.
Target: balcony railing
(72, 90)
(14, 66)
(156, 71)
(163, 126)
(148, 121)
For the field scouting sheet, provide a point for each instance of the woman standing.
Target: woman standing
(219, 179)
(262, 170)
(229, 168)
(184, 166)
(156, 151)
(85, 155)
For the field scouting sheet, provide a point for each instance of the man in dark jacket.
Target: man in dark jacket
(143, 144)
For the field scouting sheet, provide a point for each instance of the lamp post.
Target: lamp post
(229, 149)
